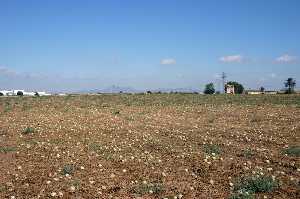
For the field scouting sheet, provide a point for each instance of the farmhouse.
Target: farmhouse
(229, 89)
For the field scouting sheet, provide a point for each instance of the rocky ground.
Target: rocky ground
(150, 146)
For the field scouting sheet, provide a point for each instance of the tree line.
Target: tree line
(289, 84)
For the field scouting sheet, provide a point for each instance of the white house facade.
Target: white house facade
(22, 92)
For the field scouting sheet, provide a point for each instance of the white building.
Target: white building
(29, 93)
(229, 89)
(25, 93)
(7, 93)
(43, 93)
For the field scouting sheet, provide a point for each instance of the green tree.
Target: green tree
(209, 88)
(20, 93)
(290, 84)
(238, 88)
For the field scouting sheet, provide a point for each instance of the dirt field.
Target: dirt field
(150, 146)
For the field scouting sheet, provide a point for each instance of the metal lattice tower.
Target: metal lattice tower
(224, 80)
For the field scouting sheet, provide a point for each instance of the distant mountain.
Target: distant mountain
(179, 90)
(111, 89)
(118, 89)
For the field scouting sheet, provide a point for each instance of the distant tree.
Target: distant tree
(20, 93)
(36, 94)
(149, 92)
(290, 84)
(262, 89)
(1, 94)
(238, 88)
(209, 88)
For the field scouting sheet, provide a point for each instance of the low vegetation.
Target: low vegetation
(7, 149)
(146, 189)
(28, 130)
(247, 187)
(212, 149)
(68, 169)
(293, 151)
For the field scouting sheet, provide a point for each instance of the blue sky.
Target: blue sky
(75, 45)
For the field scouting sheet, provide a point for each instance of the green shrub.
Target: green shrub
(7, 107)
(242, 196)
(95, 147)
(68, 169)
(247, 187)
(212, 148)
(142, 189)
(247, 153)
(6, 149)
(28, 130)
(293, 151)
(116, 112)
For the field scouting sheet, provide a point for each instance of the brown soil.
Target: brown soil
(101, 147)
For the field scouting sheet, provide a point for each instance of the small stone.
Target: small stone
(269, 169)
(72, 188)
(53, 194)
